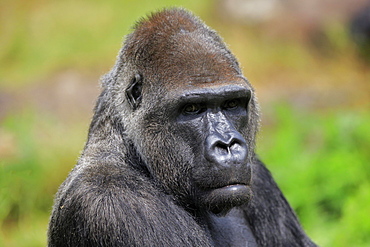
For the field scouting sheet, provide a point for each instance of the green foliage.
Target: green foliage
(321, 164)
(38, 156)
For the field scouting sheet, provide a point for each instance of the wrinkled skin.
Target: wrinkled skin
(170, 157)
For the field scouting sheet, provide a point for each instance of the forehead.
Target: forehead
(235, 87)
(195, 63)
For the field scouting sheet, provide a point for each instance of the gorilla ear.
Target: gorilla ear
(133, 92)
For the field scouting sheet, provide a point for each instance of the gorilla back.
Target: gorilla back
(170, 157)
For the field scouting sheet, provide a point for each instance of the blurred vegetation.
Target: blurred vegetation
(39, 36)
(321, 163)
(315, 134)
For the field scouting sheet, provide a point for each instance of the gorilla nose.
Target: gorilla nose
(227, 149)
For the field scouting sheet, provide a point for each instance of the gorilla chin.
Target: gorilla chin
(221, 200)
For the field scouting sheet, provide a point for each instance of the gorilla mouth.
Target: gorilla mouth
(233, 188)
(221, 199)
(229, 185)
(229, 179)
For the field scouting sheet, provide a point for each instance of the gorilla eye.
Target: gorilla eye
(191, 109)
(232, 104)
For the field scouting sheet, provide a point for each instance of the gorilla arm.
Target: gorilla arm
(102, 207)
(273, 222)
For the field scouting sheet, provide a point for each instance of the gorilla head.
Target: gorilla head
(188, 111)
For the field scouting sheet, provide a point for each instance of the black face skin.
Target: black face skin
(214, 119)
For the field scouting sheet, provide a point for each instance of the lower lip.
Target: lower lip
(233, 189)
(230, 195)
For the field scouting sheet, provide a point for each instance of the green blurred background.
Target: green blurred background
(311, 79)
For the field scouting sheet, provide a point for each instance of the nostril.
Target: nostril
(221, 148)
(232, 147)
(229, 144)
(226, 149)
(234, 141)
(221, 145)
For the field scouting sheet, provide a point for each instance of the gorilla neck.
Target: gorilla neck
(106, 130)
(230, 230)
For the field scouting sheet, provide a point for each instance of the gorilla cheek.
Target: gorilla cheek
(170, 164)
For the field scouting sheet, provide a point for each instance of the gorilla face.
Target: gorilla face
(194, 141)
(214, 119)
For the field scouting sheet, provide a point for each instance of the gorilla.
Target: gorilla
(169, 159)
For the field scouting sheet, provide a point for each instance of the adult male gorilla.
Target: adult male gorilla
(170, 157)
